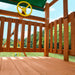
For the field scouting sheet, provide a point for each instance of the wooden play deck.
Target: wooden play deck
(35, 66)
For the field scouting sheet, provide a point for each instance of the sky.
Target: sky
(56, 11)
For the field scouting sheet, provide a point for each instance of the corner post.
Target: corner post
(73, 33)
(66, 34)
(46, 38)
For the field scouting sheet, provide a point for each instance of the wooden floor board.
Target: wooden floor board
(35, 66)
(23, 67)
(54, 65)
(7, 67)
(0, 64)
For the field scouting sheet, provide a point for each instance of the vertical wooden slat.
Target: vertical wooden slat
(73, 33)
(0, 35)
(29, 34)
(16, 33)
(22, 34)
(51, 37)
(8, 34)
(60, 35)
(55, 36)
(40, 38)
(46, 38)
(66, 34)
(34, 38)
(1, 32)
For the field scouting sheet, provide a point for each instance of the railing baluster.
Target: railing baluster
(1, 32)
(51, 37)
(22, 34)
(8, 34)
(34, 38)
(73, 33)
(60, 36)
(40, 38)
(29, 34)
(16, 34)
(55, 36)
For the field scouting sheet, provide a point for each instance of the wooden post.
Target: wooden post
(73, 33)
(1, 32)
(46, 39)
(66, 36)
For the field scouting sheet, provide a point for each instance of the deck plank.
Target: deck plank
(0, 64)
(35, 66)
(8, 68)
(56, 65)
(23, 68)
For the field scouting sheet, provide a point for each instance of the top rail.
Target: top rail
(20, 21)
(14, 14)
(69, 18)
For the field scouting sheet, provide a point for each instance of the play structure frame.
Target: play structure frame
(65, 20)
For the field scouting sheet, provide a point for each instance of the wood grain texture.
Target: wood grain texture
(1, 32)
(8, 35)
(8, 68)
(46, 36)
(55, 36)
(34, 37)
(51, 37)
(66, 31)
(14, 14)
(35, 66)
(53, 2)
(29, 34)
(22, 34)
(40, 38)
(16, 34)
(60, 35)
(73, 33)
(20, 21)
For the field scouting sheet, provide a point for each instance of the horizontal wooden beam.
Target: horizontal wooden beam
(54, 1)
(32, 50)
(14, 14)
(22, 50)
(20, 21)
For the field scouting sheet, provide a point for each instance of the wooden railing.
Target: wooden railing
(23, 23)
(59, 22)
(71, 19)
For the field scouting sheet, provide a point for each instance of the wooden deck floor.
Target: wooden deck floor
(35, 66)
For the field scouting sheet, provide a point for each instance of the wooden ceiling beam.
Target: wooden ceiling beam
(53, 2)
(14, 14)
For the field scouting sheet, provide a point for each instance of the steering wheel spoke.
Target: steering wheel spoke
(20, 7)
(27, 6)
(24, 10)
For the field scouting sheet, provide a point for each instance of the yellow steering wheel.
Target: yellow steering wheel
(24, 8)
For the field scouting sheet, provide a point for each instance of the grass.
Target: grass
(30, 54)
